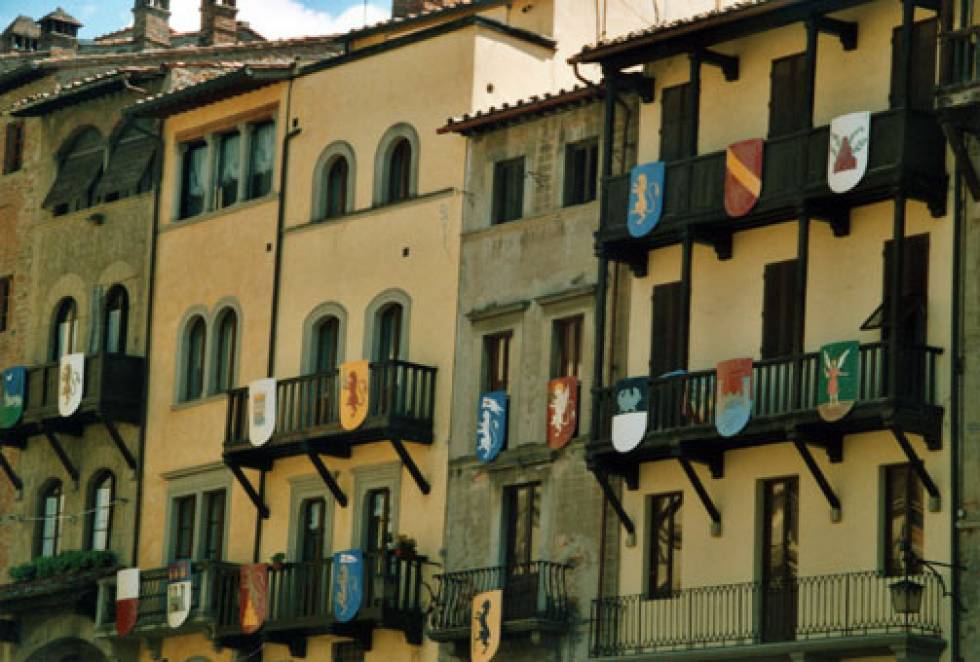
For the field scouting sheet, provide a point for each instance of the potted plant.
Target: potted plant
(278, 560)
(404, 547)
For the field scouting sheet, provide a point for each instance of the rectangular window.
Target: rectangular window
(568, 347)
(664, 550)
(780, 558)
(193, 179)
(262, 152)
(915, 290)
(6, 297)
(229, 168)
(922, 66)
(183, 527)
(496, 361)
(508, 190)
(522, 505)
(904, 531)
(667, 340)
(676, 122)
(788, 98)
(312, 514)
(214, 525)
(13, 147)
(581, 172)
(779, 308)
(377, 511)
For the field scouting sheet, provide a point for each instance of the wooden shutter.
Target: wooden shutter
(915, 288)
(675, 123)
(922, 65)
(515, 189)
(508, 190)
(666, 337)
(779, 309)
(5, 299)
(13, 147)
(787, 96)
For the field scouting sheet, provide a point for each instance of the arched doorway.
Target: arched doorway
(68, 650)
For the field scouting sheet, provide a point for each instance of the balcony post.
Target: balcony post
(799, 323)
(684, 333)
(812, 34)
(695, 61)
(895, 295)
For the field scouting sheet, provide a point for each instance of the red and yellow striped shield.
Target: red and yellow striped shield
(743, 176)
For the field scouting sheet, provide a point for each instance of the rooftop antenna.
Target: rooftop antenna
(365, 13)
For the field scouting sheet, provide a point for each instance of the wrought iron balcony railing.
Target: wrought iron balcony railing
(961, 61)
(534, 594)
(734, 615)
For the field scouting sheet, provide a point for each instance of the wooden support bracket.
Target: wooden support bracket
(252, 493)
(702, 493)
(846, 31)
(720, 240)
(644, 86)
(919, 467)
(11, 474)
(117, 439)
(410, 465)
(62, 456)
(818, 475)
(328, 479)
(614, 501)
(727, 63)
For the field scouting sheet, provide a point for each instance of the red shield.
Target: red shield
(127, 600)
(743, 177)
(562, 411)
(253, 596)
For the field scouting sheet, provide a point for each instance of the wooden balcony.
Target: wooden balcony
(208, 580)
(682, 408)
(907, 150)
(535, 600)
(958, 99)
(300, 604)
(113, 389)
(401, 405)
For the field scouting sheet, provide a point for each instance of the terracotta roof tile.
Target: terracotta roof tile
(522, 109)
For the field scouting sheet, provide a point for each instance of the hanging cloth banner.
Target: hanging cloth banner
(629, 422)
(71, 383)
(487, 613)
(354, 383)
(253, 596)
(850, 144)
(743, 176)
(733, 397)
(13, 383)
(491, 425)
(261, 411)
(127, 600)
(839, 379)
(646, 198)
(562, 411)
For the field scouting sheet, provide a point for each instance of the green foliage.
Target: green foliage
(278, 557)
(66, 563)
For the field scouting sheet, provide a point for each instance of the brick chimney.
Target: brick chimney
(218, 22)
(151, 24)
(59, 31)
(403, 8)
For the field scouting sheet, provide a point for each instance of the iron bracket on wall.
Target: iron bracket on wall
(714, 460)
(11, 474)
(614, 501)
(117, 439)
(252, 493)
(62, 455)
(727, 63)
(818, 475)
(644, 86)
(328, 479)
(702, 493)
(410, 465)
(846, 31)
(919, 467)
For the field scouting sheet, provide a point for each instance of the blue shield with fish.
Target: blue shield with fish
(13, 382)
(348, 584)
(491, 425)
(646, 198)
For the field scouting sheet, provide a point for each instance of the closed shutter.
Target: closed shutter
(779, 309)
(13, 147)
(508, 190)
(922, 66)
(667, 338)
(915, 288)
(676, 120)
(787, 97)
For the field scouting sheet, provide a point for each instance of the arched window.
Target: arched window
(193, 384)
(389, 332)
(399, 171)
(80, 163)
(64, 338)
(224, 356)
(116, 320)
(335, 188)
(50, 507)
(326, 341)
(100, 497)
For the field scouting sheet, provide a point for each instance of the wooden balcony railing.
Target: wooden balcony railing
(961, 61)
(736, 615)
(532, 592)
(782, 387)
(402, 394)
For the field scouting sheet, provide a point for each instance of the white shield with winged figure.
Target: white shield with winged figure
(71, 383)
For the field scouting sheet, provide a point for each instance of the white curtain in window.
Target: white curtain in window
(263, 149)
(196, 179)
(230, 159)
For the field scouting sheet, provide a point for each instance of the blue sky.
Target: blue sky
(273, 18)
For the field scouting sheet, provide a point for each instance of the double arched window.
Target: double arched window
(116, 320)
(208, 357)
(99, 508)
(195, 341)
(51, 506)
(64, 335)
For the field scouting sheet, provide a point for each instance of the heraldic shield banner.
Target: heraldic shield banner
(127, 600)
(646, 198)
(13, 381)
(562, 411)
(743, 176)
(850, 144)
(348, 584)
(354, 382)
(71, 383)
(629, 421)
(178, 593)
(261, 411)
(733, 396)
(487, 617)
(253, 596)
(839, 379)
(491, 425)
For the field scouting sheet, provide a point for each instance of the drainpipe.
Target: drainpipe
(956, 370)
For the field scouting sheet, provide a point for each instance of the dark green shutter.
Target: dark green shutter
(779, 308)
(675, 123)
(922, 66)
(787, 96)
(666, 338)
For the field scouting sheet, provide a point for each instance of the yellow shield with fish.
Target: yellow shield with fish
(354, 381)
